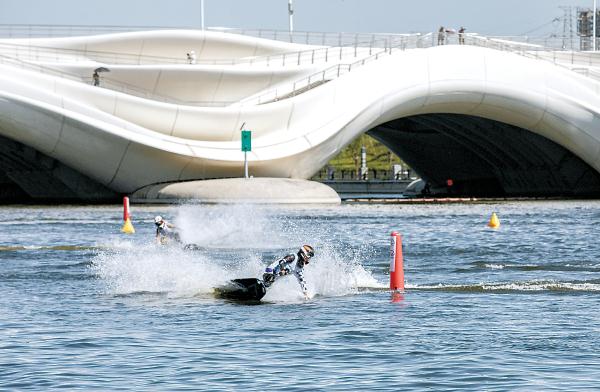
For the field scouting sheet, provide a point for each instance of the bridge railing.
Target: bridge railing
(334, 46)
(377, 44)
(107, 82)
(316, 79)
(531, 48)
(565, 58)
(54, 31)
(301, 37)
(50, 54)
(14, 62)
(318, 38)
(302, 57)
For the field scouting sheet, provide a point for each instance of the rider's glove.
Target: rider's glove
(268, 277)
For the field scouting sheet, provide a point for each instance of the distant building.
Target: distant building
(585, 27)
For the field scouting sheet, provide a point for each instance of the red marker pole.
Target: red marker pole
(127, 226)
(397, 263)
(126, 213)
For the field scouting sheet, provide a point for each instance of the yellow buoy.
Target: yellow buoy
(494, 222)
(128, 227)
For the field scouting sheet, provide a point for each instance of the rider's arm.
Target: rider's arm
(299, 272)
(284, 264)
(277, 268)
(271, 271)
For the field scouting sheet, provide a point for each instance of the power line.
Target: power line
(557, 19)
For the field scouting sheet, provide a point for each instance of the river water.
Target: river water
(86, 307)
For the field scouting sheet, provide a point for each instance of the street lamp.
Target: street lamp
(202, 13)
(594, 28)
(291, 15)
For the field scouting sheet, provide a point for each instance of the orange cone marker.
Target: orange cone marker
(397, 263)
(127, 226)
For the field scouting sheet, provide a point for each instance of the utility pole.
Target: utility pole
(291, 15)
(567, 38)
(594, 28)
(246, 146)
(202, 13)
(363, 163)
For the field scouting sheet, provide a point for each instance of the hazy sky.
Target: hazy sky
(492, 17)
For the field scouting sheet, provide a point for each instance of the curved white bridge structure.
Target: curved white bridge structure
(496, 117)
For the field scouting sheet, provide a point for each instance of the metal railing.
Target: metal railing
(337, 47)
(303, 37)
(548, 42)
(302, 57)
(318, 78)
(311, 56)
(569, 59)
(130, 89)
(15, 54)
(7, 60)
(37, 53)
(107, 82)
(51, 54)
(300, 37)
(528, 48)
(48, 31)
(315, 38)
(329, 173)
(590, 73)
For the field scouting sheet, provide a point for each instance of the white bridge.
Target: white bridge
(497, 116)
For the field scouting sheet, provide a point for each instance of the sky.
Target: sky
(489, 17)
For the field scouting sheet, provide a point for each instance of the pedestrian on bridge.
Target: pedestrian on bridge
(461, 35)
(441, 35)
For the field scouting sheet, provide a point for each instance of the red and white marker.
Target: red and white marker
(397, 263)
(126, 213)
(127, 226)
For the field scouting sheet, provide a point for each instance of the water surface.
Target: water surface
(86, 307)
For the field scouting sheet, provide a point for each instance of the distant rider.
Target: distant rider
(165, 231)
(290, 264)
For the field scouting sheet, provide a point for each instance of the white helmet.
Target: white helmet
(306, 252)
(158, 220)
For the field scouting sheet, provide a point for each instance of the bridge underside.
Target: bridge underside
(486, 158)
(482, 157)
(27, 175)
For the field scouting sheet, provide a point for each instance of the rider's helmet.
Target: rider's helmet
(306, 252)
(158, 220)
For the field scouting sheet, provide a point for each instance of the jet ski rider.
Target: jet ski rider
(290, 264)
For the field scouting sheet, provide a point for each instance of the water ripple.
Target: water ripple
(85, 307)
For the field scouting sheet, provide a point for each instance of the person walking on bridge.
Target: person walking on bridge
(461, 36)
(441, 35)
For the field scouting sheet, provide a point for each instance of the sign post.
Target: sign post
(246, 146)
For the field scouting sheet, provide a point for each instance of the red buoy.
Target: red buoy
(397, 263)
(126, 214)
(127, 226)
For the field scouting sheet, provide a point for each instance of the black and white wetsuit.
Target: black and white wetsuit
(289, 264)
(166, 232)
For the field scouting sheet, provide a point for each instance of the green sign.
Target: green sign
(246, 140)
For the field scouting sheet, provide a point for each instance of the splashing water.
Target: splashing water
(232, 241)
(330, 274)
(515, 287)
(181, 273)
(232, 226)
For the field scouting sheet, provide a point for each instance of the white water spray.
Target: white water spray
(231, 244)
